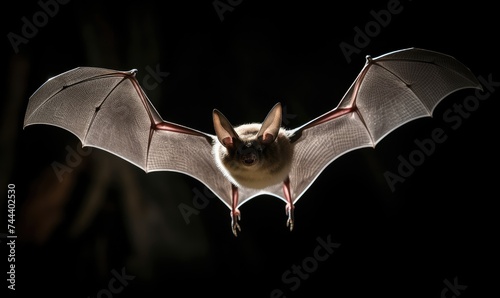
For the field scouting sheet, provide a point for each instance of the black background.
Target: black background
(439, 224)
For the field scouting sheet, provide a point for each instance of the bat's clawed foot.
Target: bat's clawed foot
(289, 211)
(235, 217)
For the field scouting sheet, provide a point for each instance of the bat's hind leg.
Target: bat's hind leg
(235, 213)
(289, 208)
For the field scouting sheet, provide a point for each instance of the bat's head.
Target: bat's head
(251, 150)
(247, 142)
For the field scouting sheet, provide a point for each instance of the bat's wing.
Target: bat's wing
(107, 109)
(390, 91)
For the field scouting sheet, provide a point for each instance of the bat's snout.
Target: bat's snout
(248, 155)
(249, 159)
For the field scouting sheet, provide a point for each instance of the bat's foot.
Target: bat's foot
(289, 211)
(235, 217)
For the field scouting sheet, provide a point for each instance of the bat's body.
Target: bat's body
(109, 110)
(254, 156)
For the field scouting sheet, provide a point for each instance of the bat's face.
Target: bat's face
(247, 150)
(253, 155)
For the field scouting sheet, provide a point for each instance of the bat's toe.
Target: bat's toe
(235, 217)
(289, 209)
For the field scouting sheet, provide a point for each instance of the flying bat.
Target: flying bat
(108, 109)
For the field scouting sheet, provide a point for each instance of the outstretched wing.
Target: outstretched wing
(107, 109)
(390, 91)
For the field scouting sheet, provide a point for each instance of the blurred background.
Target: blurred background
(84, 216)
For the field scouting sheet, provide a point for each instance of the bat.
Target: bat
(108, 109)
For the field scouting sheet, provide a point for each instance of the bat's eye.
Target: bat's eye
(256, 146)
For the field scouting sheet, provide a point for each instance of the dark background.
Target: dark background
(106, 214)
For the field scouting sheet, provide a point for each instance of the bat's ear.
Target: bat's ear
(271, 125)
(224, 130)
